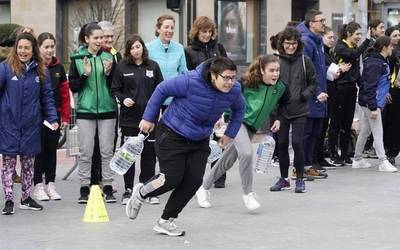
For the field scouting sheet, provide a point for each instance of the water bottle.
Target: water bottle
(265, 152)
(127, 154)
(215, 153)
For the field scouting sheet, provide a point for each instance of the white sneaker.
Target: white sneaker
(153, 200)
(360, 164)
(203, 197)
(250, 201)
(52, 193)
(386, 166)
(40, 193)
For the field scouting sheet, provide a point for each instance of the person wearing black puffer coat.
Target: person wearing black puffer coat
(204, 46)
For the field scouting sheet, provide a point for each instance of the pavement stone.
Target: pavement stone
(354, 209)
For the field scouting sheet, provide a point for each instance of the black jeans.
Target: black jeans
(297, 144)
(147, 158)
(343, 104)
(182, 165)
(312, 131)
(392, 133)
(319, 149)
(46, 160)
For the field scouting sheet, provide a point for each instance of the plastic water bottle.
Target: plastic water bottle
(216, 152)
(265, 152)
(127, 154)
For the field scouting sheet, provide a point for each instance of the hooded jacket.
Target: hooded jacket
(375, 83)
(197, 105)
(301, 84)
(198, 52)
(314, 49)
(25, 102)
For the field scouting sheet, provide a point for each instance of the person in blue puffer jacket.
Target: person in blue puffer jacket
(374, 88)
(182, 134)
(26, 99)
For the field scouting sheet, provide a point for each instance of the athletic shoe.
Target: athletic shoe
(280, 185)
(335, 160)
(30, 204)
(370, 153)
(385, 166)
(250, 201)
(39, 192)
(392, 160)
(348, 161)
(153, 200)
(85, 191)
(52, 193)
(8, 208)
(314, 174)
(305, 177)
(275, 161)
(203, 197)
(126, 196)
(300, 186)
(134, 203)
(108, 194)
(324, 163)
(361, 164)
(168, 227)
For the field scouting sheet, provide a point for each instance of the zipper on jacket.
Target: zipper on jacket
(265, 97)
(97, 91)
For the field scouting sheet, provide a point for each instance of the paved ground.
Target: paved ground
(352, 209)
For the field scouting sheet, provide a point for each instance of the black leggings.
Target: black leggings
(297, 144)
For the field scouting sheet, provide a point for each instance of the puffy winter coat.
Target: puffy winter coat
(25, 102)
(197, 105)
(314, 49)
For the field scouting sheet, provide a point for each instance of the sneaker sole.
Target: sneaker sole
(161, 230)
(282, 189)
(82, 201)
(24, 207)
(300, 192)
(8, 213)
(130, 212)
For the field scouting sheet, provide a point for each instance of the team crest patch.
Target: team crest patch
(149, 73)
(58, 75)
(37, 79)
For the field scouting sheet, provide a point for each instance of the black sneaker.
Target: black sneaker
(219, 185)
(370, 153)
(300, 186)
(30, 204)
(8, 208)
(324, 163)
(108, 194)
(85, 191)
(392, 160)
(335, 160)
(348, 161)
(126, 196)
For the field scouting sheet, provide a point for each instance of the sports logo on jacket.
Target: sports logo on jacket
(149, 73)
(37, 79)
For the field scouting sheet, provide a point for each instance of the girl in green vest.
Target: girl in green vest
(262, 91)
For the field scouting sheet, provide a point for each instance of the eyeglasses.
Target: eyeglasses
(323, 20)
(108, 36)
(227, 78)
(293, 44)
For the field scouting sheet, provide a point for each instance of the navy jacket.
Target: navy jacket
(24, 103)
(314, 49)
(375, 83)
(197, 105)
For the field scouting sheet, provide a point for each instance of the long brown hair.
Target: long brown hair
(15, 63)
(128, 45)
(253, 76)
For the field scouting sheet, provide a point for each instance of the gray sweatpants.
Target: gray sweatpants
(369, 125)
(86, 133)
(240, 148)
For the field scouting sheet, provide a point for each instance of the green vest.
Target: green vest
(261, 102)
(95, 97)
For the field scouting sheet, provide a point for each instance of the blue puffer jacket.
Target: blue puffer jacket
(197, 105)
(374, 84)
(314, 49)
(23, 101)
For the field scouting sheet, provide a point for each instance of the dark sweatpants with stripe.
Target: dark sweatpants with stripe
(182, 165)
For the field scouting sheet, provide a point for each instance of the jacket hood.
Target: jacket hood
(54, 62)
(306, 32)
(375, 55)
(198, 45)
